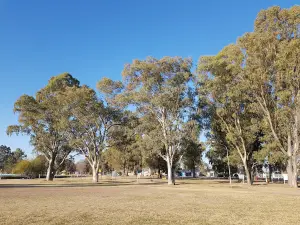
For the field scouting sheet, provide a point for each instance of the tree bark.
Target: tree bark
(124, 169)
(291, 165)
(248, 174)
(194, 172)
(289, 169)
(95, 169)
(270, 172)
(50, 170)
(170, 171)
(95, 175)
(294, 172)
(173, 176)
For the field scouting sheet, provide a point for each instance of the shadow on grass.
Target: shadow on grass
(100, 184)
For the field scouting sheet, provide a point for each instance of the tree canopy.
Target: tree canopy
(245, 100)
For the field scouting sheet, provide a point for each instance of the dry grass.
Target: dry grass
(123, 201)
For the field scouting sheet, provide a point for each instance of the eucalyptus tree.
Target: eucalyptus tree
(193, 148)
(234, 109)
(123, 143)
(90, 125)
(45, 117)
(5, 157)
(272, 70)
(160, 88)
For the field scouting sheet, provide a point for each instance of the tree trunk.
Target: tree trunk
(194, 172)
(294, 172)
(50, 170)
(289, 170)
(95, 169)
(125, 169)
(291, 165)
(270, 173)
(251, 176)
(170, 171)
(95, 175)
(248, 174)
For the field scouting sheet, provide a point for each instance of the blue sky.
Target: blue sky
(93, 38)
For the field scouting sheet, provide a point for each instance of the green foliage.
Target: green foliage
(45, 122)
(31, 168)
(8, 159)
(160, 88)
(5, 154)
(246, 96)
(90, 124)
(110, 89)
(124, 151)
(38, 166)
(69, 165)
(235, 122)
(253, 87)
(272, 72)
(22, 167)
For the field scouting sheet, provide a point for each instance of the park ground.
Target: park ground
(124, 201)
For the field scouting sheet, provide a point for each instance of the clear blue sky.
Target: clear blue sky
(91, 39)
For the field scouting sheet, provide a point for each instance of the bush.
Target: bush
(31, 168)
(22, 167)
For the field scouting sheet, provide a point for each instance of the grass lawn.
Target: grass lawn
(77, 201)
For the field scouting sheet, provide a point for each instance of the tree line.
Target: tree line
(245, 99)
(16, 162)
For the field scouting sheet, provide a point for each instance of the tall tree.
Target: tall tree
(5, 153)
(193, 147)
(92, 120)
(272, 70)
(160, 87)
(234, 109)
(19, 155)
(44, 117)
(9, 159)
(123, 140)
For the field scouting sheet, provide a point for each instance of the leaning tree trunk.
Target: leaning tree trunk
(51, 170)
(248, 174)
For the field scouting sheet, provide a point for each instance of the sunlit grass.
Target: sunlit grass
(151, 201)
